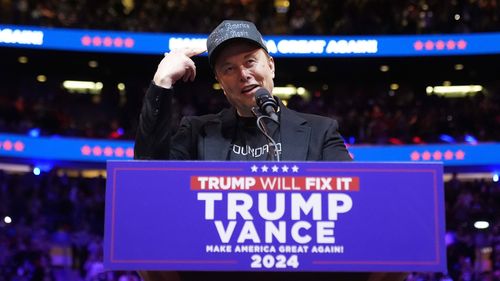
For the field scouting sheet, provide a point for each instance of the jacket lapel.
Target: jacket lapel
(295, 135)
(218, 135)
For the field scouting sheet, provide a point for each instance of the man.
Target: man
(242, 66)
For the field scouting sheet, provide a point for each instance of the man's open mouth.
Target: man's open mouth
(248, 89)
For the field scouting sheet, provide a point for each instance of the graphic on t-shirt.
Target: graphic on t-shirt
(254, 152)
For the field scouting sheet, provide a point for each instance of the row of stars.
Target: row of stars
(274, 169)
(438, 155)
(439, 45)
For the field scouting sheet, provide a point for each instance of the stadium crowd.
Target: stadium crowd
(56, 230)
(366, 116)
(344, 17)
(57, 227)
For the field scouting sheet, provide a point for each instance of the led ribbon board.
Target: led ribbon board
(279, 46)
(99, 151)
(64, 149)
(274, 216)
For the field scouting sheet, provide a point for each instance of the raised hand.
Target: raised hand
(176, 65)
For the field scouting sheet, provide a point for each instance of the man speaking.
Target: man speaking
(257, 127)
(243, 67)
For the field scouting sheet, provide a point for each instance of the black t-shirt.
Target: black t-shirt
(249, 143)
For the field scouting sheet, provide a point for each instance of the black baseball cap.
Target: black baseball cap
(230, 30)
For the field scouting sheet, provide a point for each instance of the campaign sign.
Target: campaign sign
(274, 216)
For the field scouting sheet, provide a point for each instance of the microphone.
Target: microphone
(266, 103)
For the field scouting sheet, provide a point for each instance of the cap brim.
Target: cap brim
(215, 52)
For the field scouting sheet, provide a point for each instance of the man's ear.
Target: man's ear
(222, 88)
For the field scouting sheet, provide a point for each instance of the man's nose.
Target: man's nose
(244, 74)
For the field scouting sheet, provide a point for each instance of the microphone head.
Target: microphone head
(262, 92)
(263, 99)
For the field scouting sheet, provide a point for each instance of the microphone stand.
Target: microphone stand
(275, 156)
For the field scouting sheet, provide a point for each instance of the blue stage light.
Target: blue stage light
(36, 171)
(447, 138)
(470, 139)
(495, 177)
(35, 132)
(44, 167)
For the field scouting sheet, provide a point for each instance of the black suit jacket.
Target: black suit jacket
(304, 137)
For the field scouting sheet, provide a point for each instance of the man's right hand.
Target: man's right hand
(175, 65)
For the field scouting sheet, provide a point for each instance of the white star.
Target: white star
(254, 169)
(275, 169)
(264, 168)
(295, 169)
(284, 168)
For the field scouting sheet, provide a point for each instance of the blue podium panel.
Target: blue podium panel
(274, 216)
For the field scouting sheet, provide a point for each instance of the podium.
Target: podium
(274, 216)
